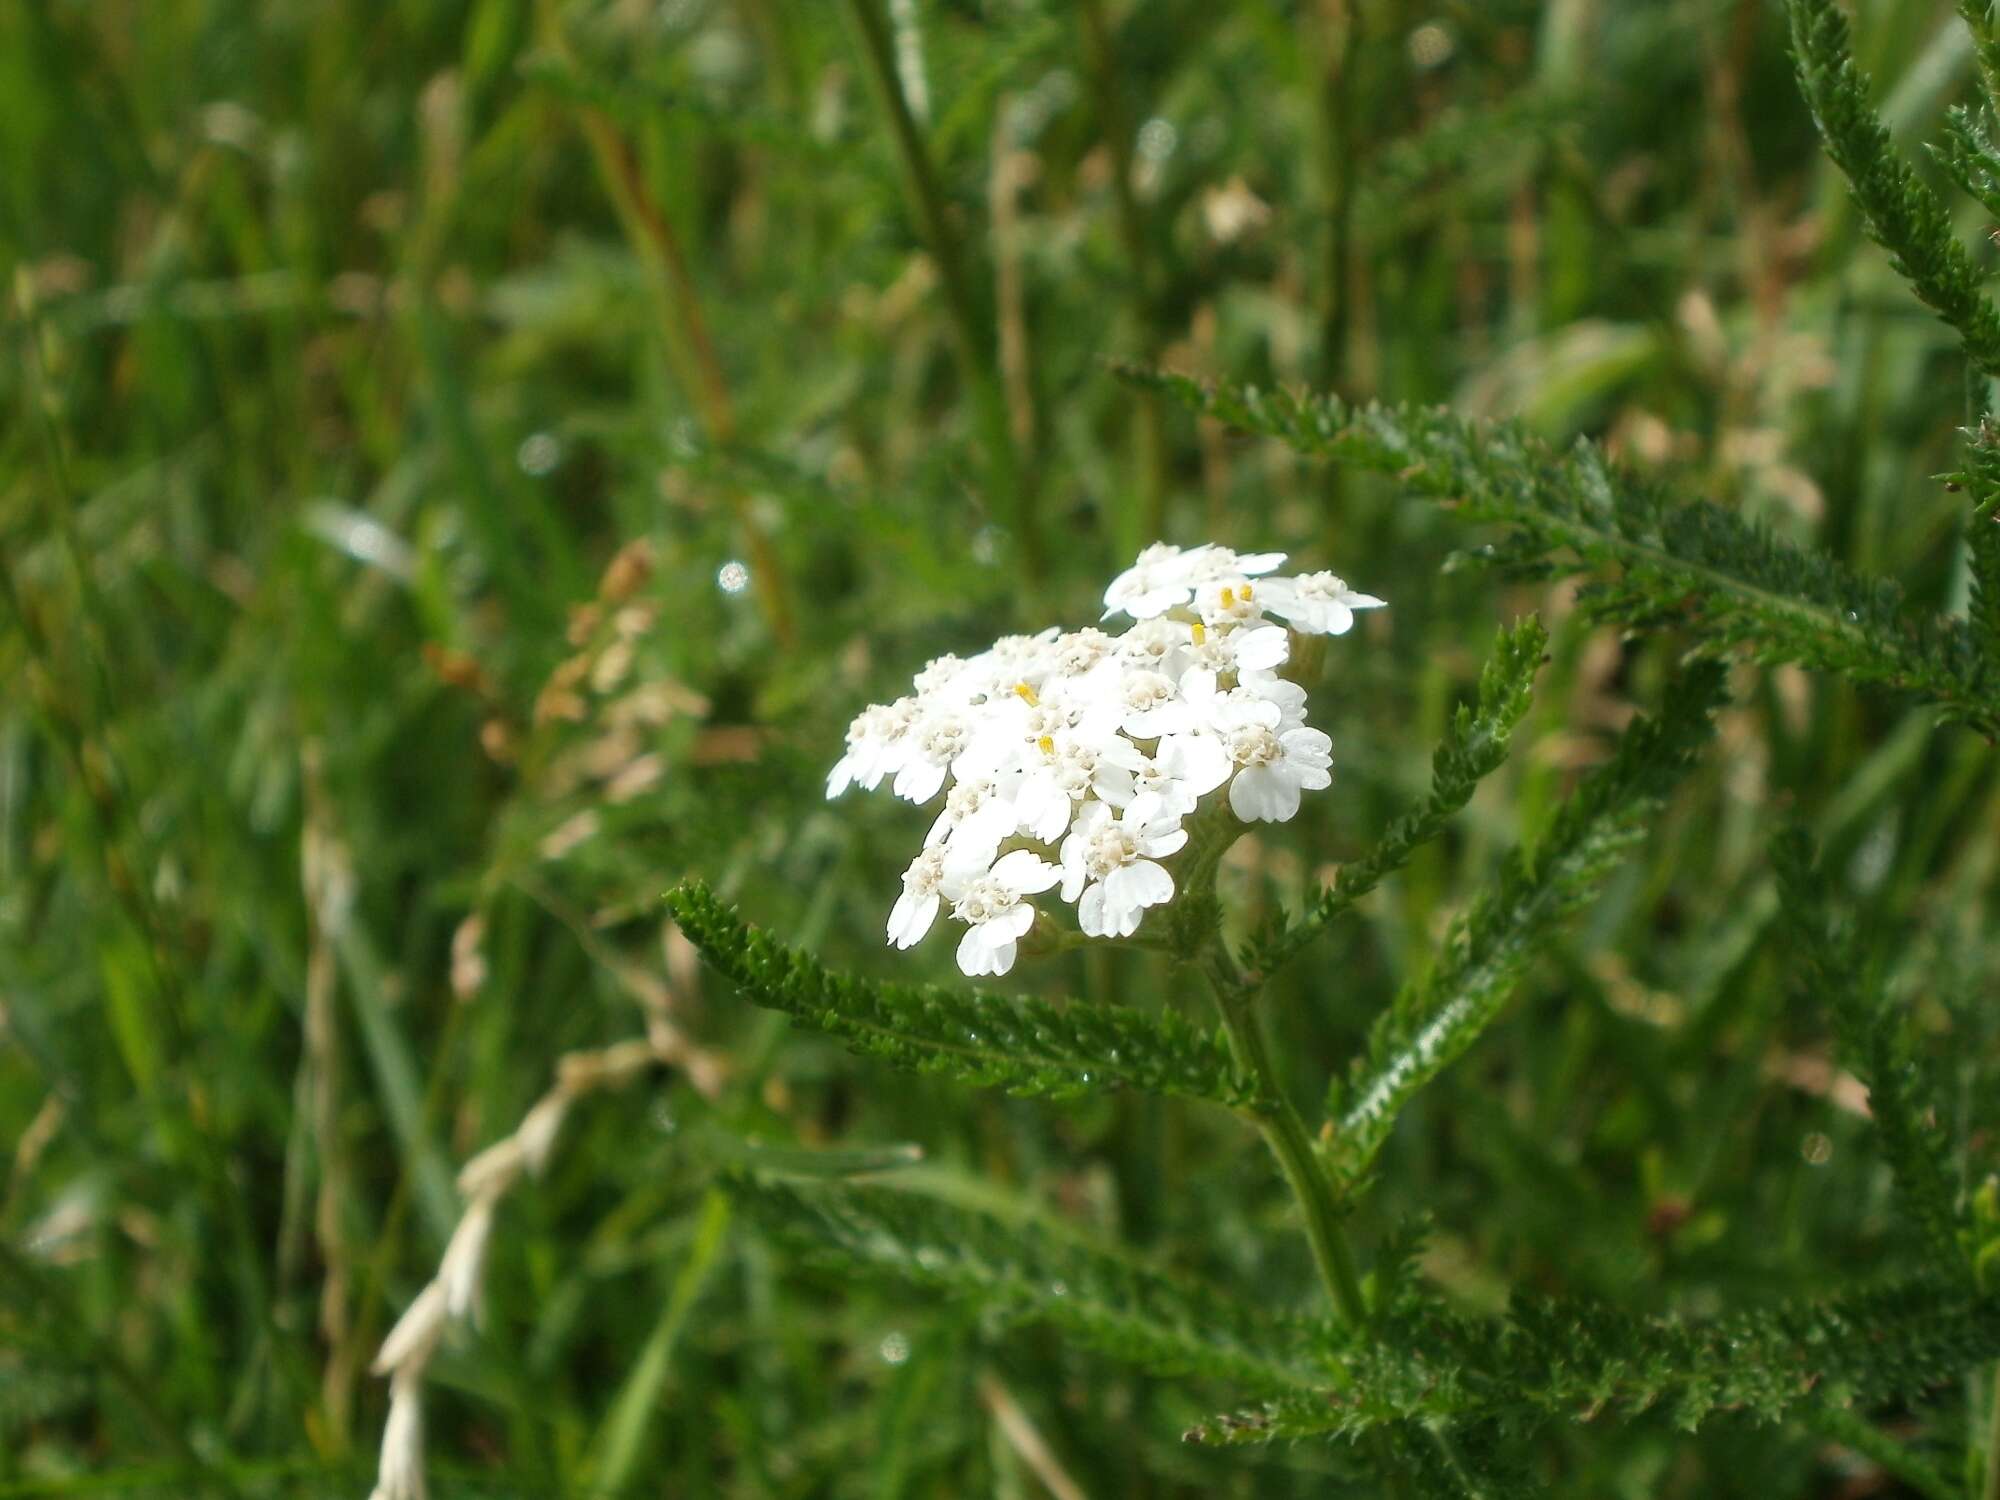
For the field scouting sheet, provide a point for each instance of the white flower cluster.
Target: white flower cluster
(1070, 758)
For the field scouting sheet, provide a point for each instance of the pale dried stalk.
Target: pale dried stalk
(1019, 1429)
(327, 878)
(1012, 171)
(484, 1181)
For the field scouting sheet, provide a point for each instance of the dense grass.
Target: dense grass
(387, 389)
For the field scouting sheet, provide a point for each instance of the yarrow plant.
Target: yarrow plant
(1072, 760)
(1110, 765)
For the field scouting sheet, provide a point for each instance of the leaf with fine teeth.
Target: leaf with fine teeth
(1023, 1045)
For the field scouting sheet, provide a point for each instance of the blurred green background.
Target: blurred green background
(464, 464)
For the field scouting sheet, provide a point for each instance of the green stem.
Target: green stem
(42, 1291)
(1139, 522)
(1285, 1133)
(934, 223)
(1991, 1489)
(1337, 28)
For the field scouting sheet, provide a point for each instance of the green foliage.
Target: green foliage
(31, 1393)
(385, 391)
(1902, 215)
(1434, 1022)
(1981, 476)
(1462, 1463)
(1969, 155)
(1850, 1430)
(1473, 748)
(1579, 1363)
(1024, 1045)
(1836, 970)
(1693, 565)
(1019, 1272)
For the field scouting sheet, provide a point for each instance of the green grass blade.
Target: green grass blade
(621, 1441)
(1475, 746)
(1433, 1023)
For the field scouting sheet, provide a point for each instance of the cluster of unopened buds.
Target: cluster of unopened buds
(1071, 760)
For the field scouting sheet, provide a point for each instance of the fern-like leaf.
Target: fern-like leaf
(1021, 1271)
(1968, 155)
(1432, 1023)
(1981, 476)
(1901, 214)
(1833, 968)
(1024, 1045)
(1576, 1361)
(1726, 580)
(1474, 746)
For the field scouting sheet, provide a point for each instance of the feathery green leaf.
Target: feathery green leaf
(1467, 1463)
(1474, 746)
(1832, 966)
(1024, 1045)
(1692, 564)
(1901, 214)
(1022, 1272)
(1576, 1361)
(1981, 476)
(1850, 1430)
(1968, 155)
(1432, 1023)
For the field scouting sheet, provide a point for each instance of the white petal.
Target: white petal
(1118, 752)
(1261, 648)
(1199, 760)
(1042, 809)
(919, 781)
(1160, 845)
(911, 918)
(975, 954)
(1026, 872)
(1152, 723)
(1198, 686)
(1306, 744)
(1075, 877)
(1113, 783)
(1260, 795)
(978, 838)
(1139, 884)
(1313, 778)
(1090, 911)
(840, 778)
(1289, 696)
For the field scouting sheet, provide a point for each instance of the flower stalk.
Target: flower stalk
(1277, 1119)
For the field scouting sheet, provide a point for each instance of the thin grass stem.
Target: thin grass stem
(947, 249)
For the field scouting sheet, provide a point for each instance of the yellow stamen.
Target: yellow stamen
(1048, 744)
(1027, 694)
(1228, 598)
(1200, 633)
(1246, 591)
